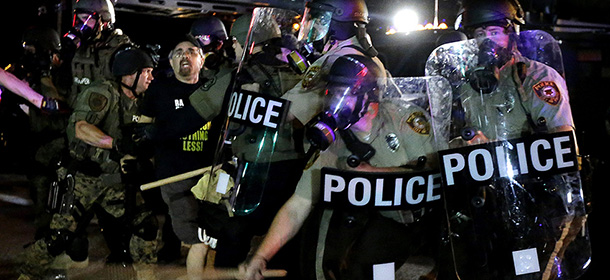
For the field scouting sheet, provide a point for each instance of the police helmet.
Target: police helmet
(207, 30)
(357, 71)
(130, 61)
(45, 38)
(240, 28)
(352, 85)
(104, 9)
(342, 10)
(477, 13)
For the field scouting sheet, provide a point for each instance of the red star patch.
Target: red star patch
(548, 92)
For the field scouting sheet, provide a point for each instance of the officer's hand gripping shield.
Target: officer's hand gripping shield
(512, 186)
(255, 122)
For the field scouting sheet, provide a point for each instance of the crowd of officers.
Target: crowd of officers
(105, 125)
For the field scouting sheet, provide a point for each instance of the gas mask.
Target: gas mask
(81, 29)
(301, 58)
(344, 106)
(322, 131)
(212, 60)
(312, 36)
(491, 57)
(35, 64)
(212, 48)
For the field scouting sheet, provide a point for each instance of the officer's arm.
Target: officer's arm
(178, 123)
(182, 123)
(92, 135)
(285, 226)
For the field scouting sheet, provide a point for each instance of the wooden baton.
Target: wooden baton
(175, 178)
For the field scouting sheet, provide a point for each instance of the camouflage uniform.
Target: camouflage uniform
(92, 61)
(49, 138)
(102, 105)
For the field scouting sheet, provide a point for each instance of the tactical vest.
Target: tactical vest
(121, 111)
(92, 62)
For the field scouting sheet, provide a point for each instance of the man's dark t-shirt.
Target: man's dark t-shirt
(176, 154)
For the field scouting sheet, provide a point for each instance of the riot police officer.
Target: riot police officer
(211, 35)
(102, 174)
(91, 43)
(361, 132)
(48, 113)
(273, 156)
(540, 100)
(503, 98)
(332, 28)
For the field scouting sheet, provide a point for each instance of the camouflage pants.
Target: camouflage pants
(88, 191)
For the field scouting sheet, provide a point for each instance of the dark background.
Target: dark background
(586, 56)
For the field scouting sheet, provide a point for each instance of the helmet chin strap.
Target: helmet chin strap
(365, 40)
(134, 86)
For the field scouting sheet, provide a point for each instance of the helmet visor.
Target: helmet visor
(345, 103)
(315, 25)
(85, 24)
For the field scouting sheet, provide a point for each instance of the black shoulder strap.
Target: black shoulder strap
(360, 151)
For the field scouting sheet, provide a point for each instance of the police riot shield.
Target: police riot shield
(255, 126)
(381, 221)
(509, 164)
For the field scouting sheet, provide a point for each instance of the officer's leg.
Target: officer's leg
(383, 241)
(115, 228)
(282, 181)
(66, 233)
(171, 245)
(40, 191)
(42, 173)
(116, 234)
(144, 244)
(38, 257)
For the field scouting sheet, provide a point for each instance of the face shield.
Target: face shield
(494, 53)
(315, 25)
(345, 103)
(344, 106)
(84, 26)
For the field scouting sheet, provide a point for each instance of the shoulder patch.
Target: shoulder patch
(419, 123)
(548, 92)
(311, 77)
(97, 102)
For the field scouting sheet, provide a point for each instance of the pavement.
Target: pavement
(17, 230)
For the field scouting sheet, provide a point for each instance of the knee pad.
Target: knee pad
(57, 241)
(78, 248)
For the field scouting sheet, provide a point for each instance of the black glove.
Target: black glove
(145, 132)
(129, 166)
(53, 106)
(124, 146)
(137, 171)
